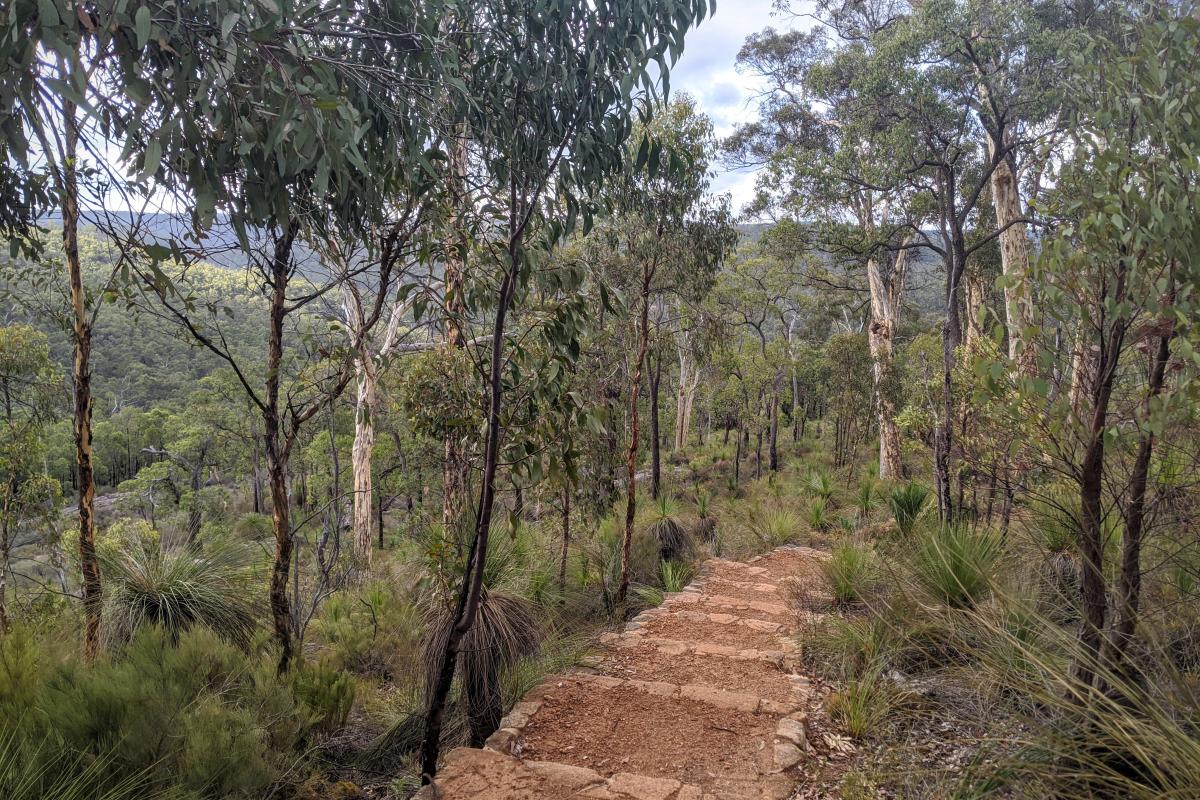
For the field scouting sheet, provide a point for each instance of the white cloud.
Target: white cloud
(707, 71)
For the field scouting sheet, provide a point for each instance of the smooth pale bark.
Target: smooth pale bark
(1014, 262)
(886, 287)
(81, 375)
(367, 525)
(689, 382)
(976, 302)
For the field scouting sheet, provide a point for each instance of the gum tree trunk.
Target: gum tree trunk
(631, 454)
(81, 375)
(886, 289)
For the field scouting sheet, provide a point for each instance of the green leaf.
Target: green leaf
(141, 26)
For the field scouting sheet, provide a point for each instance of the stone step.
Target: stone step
(764, 677)
(717, 740)
(470, 774)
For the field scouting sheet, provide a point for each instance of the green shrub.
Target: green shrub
(866, 497)
(850, 571)
(327, 693)
(863, 704)
(190, 712)
(818, 518)
(177, 588)
(955, 564)
(907, 502)
(820, 484)
(674, 575)
(776, 527)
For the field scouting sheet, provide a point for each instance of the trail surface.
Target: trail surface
(694, 700)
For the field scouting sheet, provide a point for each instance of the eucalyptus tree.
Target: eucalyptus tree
(1124, 264)
(58, 107)
(550, 108)
(347, 133)
(831, 164)
(664, 234)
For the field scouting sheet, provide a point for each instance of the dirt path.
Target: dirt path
(695, 700)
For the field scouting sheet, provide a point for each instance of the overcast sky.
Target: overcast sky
(707, 70)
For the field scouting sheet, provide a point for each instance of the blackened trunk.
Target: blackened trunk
(631, 455)
(1129, 586)
(278, 448)
(656, 443)
(467, 604)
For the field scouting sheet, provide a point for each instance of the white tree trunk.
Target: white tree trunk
(886, 289)
(361, 460)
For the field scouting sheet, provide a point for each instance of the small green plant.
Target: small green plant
(864, 704)
(818, 518)
(866, 497)
(674, 575)
(850, 571)
(820, 484)
(673, 539)
(907, 502)
(955, 564)
(327, 693)
(776, 527)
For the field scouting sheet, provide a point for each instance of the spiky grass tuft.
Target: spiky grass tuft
(178, 588)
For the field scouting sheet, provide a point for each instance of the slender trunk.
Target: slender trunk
(951, 339)
(1091, 486)
(655, 447)
(737, 457)
(631, 454)
(1129, 586)
(81, 329)
(470, 592)
(454, 460)
(886, 290)
(278, 445)
(361, 456)
(773, 445)
(566, 539)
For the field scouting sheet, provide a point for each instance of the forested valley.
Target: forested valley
(394, 405)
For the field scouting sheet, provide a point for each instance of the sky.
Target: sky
(707, 71)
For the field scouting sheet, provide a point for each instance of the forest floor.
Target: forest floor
(697, 699)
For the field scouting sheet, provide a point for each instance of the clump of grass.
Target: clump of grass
(820, 484)
(776, 527)
(178, 588)
(818, 517)
(865, 501)
(907, 502)
(850, 571)
(955, 564)
(675, 575)
(841, 648)
(863, 704)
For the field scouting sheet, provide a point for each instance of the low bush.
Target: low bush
(189, 714)
(907, 502)
(776, 527)
(850, 571)
(955, 564)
